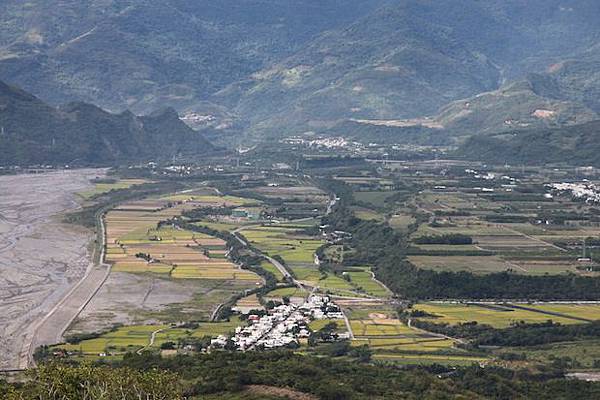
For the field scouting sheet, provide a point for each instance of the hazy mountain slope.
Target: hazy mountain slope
(567, 93)
(32, 132)
(576, 79)
(389, 63)
(280, 66)
(513, 106)
(578, 145)
(141, 54)
(411, 58)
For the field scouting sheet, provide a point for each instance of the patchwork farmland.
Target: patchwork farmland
(160, 271)
(135, 243)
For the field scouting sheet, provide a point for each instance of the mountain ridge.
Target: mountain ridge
(34, 132)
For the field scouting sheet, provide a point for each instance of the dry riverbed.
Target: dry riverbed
(41, 259)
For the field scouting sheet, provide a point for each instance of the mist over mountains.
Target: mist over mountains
(438, 70)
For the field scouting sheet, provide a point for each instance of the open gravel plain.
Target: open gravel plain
(41, 259)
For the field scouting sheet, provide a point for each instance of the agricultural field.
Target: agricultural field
(163, 273)
(136, 244)
(248, 303)
(291, 244)
(393, 341)
(267, 266)
(505, 315)
(291, 292)
(362, 280)
(585, 354)
(117, 342)
(375, 199)
(106, 185)
(367, 214)
(401, 221)
(521, 247)
(475, 264)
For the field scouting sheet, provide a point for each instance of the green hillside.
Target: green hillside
(577, 145)
(32, 132)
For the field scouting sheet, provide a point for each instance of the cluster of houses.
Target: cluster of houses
(283, 326)
(337, 142)
(333, 237)
(586, 191)
(507, 183)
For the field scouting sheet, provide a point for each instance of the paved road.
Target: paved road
(273, 261)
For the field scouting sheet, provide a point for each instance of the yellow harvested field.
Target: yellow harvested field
(407, 344)
(248, 303)
(381, 327)
(191, 272)
(135, 244)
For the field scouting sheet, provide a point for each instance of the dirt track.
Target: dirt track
(41, 259)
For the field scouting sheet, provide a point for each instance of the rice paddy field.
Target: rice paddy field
(362, 280)
(286, 292)
(248, 303)
(289, 243)
(267, 266)
(504, 315)
(136, 244)
(393, 341)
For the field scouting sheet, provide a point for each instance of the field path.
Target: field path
(533, 238)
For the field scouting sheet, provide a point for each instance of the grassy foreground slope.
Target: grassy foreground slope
(229, 375)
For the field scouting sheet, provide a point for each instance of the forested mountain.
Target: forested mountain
(412, 57)
(575, 145)
(276, 67)
(32, 132)
(142, 54)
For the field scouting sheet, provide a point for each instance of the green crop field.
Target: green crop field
(308, 273)
(367, 214)
(383, 327)
(428, 359)
(585, 352)
(451, 313)
(586, 311)
(401, 222)
(100, 188)
(318, 324)
(129, 338)
(475, 264)
(135, 337)
(407, 344)
(376, 199)
(364, 280)
(267, 266)
(287, 292)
